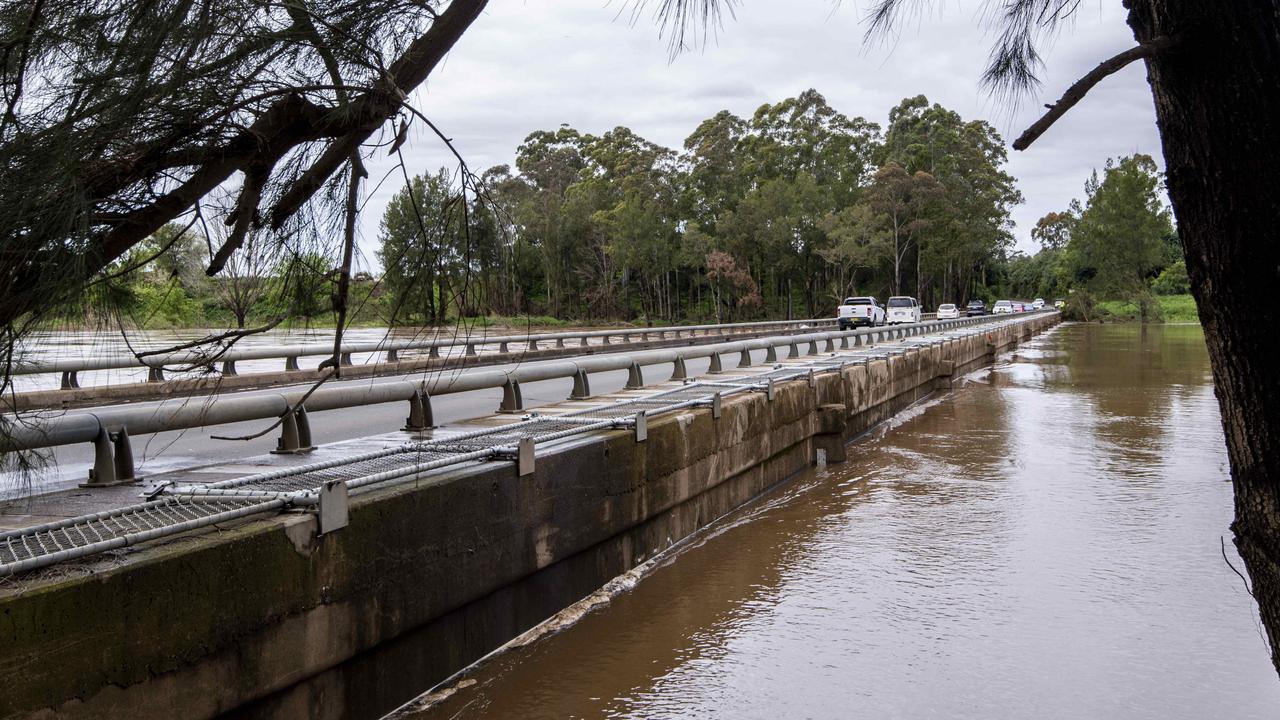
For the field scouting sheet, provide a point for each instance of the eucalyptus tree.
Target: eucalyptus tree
(967, 158)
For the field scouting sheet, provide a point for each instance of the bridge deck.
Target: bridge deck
(60, 526)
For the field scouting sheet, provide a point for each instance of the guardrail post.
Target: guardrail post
(744, 359)
(393, 355)
(344, 359)
(641, 427)
(295, 434)
(813, 347)
(103, 471)
(603, 341)
(471, 349)
(229, 367)
(581, 386)
(678, 371)
(626, 337)
(112, 459)
(512, 399)
(559, 342)
(434, 352)
(420, 414)
(583, 341)
(771, 355)
(844, 342)
(304, 428)
(502, 347)
(291, 363)
(533, 344)
(155, 375)
(715, 368)
(792, 351)
(635, 377)
(69, 380)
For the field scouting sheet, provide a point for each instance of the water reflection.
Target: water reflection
(1043, 542)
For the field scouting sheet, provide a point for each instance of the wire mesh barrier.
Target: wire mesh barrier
(176, 508)
(44, 545)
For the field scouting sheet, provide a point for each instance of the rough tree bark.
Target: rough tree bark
(1217, 101)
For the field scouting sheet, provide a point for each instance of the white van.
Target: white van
(903, 309)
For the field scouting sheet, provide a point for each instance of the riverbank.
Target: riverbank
(1173, 309)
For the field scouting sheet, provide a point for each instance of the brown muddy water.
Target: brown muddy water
(1043, 542)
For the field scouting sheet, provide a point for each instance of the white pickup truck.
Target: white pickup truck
(857, 311)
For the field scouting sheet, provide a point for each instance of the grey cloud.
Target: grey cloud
(528, 66)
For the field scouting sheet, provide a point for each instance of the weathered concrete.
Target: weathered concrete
(268, 620)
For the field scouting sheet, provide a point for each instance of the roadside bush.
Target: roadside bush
(1081, 307)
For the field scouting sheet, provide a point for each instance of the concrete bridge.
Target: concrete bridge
(286, 585)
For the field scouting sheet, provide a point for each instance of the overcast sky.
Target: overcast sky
(528, 65)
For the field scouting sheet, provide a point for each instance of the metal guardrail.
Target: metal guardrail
(327, 486)
(469, 342)
(110, 429)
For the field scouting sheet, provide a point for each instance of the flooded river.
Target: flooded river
(1042, 542)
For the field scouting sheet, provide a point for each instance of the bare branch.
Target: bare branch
(1077, 91)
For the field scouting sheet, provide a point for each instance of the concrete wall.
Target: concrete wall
(267, 620)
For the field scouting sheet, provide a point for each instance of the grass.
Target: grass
(1173, 309)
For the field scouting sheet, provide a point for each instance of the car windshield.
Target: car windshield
(948, 306)
(1003, 303)
(976, 303)
(859, 301)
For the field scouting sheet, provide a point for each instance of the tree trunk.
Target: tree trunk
(1217, 100)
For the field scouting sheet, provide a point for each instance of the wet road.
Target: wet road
(1042, 542)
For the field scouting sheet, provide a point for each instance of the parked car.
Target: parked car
(975, 308)
(903, 309)
(948, 311)
(857, 311)
(1001, 307)
(1037, 304)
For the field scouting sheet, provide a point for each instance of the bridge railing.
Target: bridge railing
(468, 342)
(109, 429)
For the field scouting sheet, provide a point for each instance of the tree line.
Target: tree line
(779, 214)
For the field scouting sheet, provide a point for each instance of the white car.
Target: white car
(903, 309)
(857, 311)
(1037, 304)
(1002, 306)
(948, 311)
